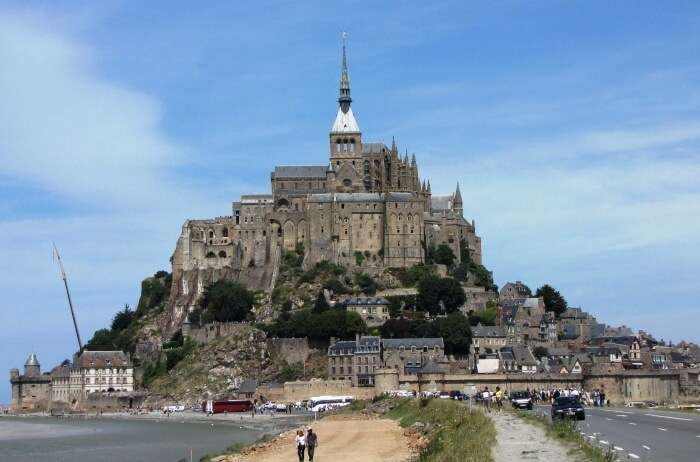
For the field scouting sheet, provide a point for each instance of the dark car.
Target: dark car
(568, 407)
(521, 400)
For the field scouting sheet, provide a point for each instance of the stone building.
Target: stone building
(32, 390)
(411, 355)
(373, 310)
(70, 383)
(514, 291)
(366, 206)
(354, 360)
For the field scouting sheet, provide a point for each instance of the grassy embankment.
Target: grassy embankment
(566, 431)
(458, 433)
(236, 448)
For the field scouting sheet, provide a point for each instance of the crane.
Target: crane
(57, 256)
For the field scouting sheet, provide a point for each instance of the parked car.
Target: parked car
(521, 400)
(568, 407)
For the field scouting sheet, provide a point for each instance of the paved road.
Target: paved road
(643, 434)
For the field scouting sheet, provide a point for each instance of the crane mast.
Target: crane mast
(70, 302)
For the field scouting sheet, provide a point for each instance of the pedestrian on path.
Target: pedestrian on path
(311, 443)
(486, 397)
(499, 399)
(300, 441)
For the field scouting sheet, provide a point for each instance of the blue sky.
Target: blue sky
(573, 128)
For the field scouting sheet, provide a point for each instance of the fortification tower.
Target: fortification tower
(32, 368)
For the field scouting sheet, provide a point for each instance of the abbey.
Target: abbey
(366, 207)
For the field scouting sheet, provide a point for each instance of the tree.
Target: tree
(102, 340)
(434, 290)
(367, 285)
(444, 255)
(553, 300)
(464, 255)
(321, 303)
(396, 328)
(540, 352)
(226, 301)
(286, 311)
(455, 332)
(122, 319)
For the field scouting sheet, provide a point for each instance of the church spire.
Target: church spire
(344, 98)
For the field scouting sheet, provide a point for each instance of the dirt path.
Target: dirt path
(518, 440)
(341, 439)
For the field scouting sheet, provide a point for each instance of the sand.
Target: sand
(340, 439)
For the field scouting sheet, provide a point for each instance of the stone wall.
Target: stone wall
(619, 387)
(210, 332)
(291, 350)
(300, 390)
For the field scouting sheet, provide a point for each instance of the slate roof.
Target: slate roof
(488, 331)
(399, 196)
(523, 356)
(369, 148)
(60, 372)
(395, 343)
(102, 359)
(431, 367)
(441, 202)
(299, 171)
(32, 360)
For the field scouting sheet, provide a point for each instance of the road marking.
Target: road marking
(668, 417)
(618, 448)
(646, 447)
(620, 415)
(608, 418)
(634, 456)
(662, 429)
(619, 412)
(604, 442)
(632, 423)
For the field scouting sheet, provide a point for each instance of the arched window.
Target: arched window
(211, 254)
(211, 233)
(222, 254)
(224, 232)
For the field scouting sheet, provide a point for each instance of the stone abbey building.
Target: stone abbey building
(367, 200)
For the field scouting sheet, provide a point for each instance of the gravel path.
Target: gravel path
(375, 440)
(518, 440)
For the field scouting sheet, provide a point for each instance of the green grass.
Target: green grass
(460, 435)
(567, 432)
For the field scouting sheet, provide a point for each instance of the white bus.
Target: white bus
(324, 403)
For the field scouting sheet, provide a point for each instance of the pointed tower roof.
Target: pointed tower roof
(413, 160)
(32, 360)
(458, 195)
(428, 185)
(345, 120)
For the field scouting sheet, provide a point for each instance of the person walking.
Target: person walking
(499, 399)
(311, 443)
(300, 441)
(486, 397)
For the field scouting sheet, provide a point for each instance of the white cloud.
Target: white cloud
(66, 130)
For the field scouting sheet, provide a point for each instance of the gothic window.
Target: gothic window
(211, 233)
(211, 254)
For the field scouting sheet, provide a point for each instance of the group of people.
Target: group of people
(497, 397)
(593, 398)
(306, 441)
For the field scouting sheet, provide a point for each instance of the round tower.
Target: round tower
(32, 368)
(14, 374)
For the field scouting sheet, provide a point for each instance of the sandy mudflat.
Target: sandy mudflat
(14, 430)
(340, 439)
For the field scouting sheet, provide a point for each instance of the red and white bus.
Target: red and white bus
(230, 405)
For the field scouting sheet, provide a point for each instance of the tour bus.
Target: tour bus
(324, 403)
(224, 406)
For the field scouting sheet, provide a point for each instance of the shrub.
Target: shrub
(226, 301)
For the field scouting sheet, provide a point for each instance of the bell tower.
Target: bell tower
(346, 138)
